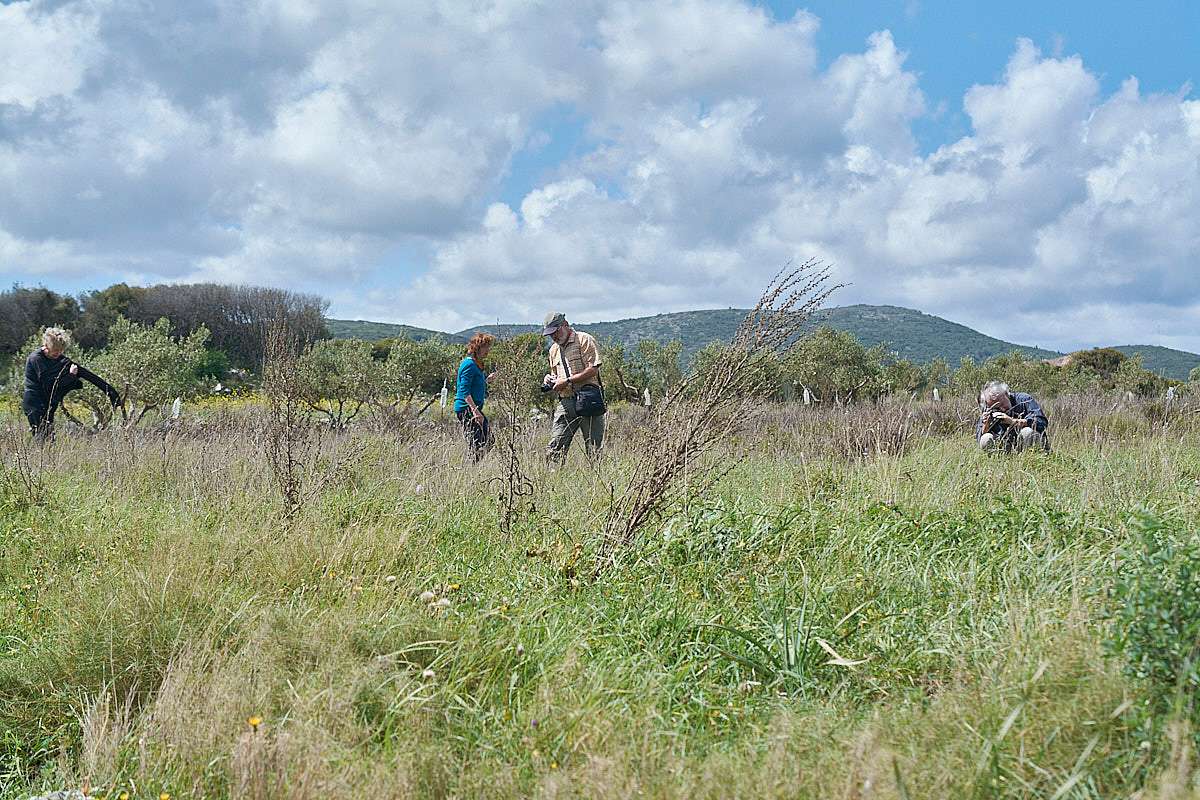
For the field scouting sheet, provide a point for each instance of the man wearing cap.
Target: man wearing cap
(574, 362)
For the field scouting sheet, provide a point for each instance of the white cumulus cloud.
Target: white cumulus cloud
(317, 144)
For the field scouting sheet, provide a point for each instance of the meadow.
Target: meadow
(863, 606)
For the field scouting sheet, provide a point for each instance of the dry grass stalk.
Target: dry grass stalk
(515, 489)
(104, 725)
(290, 434)
(710, 405)
(24, 465)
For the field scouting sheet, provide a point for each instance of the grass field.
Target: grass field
(167, 628)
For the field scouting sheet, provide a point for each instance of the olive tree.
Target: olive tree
(660, 363)
(836, 367)
(337, 378)
(521, 364)
(148, 366)
(416, 368)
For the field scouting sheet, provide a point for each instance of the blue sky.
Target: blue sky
(449, 163)
(953, 45)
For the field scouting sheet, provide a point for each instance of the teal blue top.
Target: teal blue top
(471, 381)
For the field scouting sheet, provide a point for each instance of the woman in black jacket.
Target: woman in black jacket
(49, 375)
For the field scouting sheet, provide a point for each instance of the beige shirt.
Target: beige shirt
(581, 352)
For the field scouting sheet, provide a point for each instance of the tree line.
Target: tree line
(234, 316)
(162, 342)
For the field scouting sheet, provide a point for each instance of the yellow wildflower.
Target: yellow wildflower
(254, 722)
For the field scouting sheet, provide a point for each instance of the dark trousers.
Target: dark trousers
(478, 436)
(41, 421)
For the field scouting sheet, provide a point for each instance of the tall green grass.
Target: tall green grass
(824, 624)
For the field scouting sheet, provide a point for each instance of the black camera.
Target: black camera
(545, 388)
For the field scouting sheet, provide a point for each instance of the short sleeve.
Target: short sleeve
(589, 351)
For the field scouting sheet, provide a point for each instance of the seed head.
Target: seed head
(428, 596)
(428, 674)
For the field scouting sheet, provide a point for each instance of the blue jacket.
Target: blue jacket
(1023, 407)
(471, 381)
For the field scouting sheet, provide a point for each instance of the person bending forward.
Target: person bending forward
(1012, 420)
(49, 375)
(574, 361)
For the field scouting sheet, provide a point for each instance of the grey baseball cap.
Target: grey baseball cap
(554, 320)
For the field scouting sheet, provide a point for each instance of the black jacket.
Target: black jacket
(47, 381)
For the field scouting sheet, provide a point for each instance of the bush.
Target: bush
(1155, 615)
(414, 368)
(337, 378)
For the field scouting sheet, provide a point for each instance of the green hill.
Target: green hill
(373, 331)
(913, 335)
(1163, 360)
(920, 337)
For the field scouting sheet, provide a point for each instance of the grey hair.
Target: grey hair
(56, 339)
(992, 390)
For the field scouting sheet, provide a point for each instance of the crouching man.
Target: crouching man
(1012, 420)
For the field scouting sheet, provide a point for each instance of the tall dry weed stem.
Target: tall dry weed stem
(711, 404)
(514, 487)
(291, 439)
(24, 464)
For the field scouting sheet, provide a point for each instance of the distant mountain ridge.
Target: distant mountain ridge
(912, 334)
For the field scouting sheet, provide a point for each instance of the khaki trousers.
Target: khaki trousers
(566, 423)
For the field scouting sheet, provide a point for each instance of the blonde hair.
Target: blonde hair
(56, 339)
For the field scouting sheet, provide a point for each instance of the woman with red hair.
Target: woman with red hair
(471, 392)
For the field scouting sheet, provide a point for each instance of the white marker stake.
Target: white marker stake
(445, 394)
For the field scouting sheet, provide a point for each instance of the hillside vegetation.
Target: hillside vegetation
(917, 337)
(373, 331)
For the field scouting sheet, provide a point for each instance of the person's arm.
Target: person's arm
(580, 378)
(33, 376)
(1034, 416)
(465, 376)
(552, 380)
(86, 374)
(476, 414)
(590, 355)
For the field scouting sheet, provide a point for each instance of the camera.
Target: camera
(545, 388)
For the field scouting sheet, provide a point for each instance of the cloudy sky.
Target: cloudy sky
(1033, 173)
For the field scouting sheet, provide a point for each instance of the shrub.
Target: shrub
(337, 378)
(1155, 615)
(414, 368)
(149, 367)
